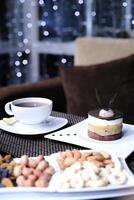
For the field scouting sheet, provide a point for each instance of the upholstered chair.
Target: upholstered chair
(88, 51)
(95, 50)
(103, 76)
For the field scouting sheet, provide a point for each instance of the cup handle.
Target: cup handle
(8, 108)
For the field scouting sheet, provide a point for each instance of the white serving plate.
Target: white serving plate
(52, 192)
(119, 162)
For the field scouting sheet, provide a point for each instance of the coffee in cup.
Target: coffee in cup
(30, 110)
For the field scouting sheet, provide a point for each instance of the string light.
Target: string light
(25, 62)
(63, 60)
(20, 44)
(41, 2)
(29, 25)
(80, 1)
(22, 1)
(55, 7)
(29, 15)
(45, 33)
(53, 23)
(25, 40)
(77, 13)
(20, 33)
(124, 4)
(17, 63)
(27, 51)
(19, 74)
(33, 3)
(19, 53)
(45, 14)
(93, 13)
(42, 23)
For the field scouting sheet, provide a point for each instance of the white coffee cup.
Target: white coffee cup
(30, 110)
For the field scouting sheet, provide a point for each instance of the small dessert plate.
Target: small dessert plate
(51, 124)
(77, 134)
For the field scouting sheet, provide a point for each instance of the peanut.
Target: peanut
(69, 157)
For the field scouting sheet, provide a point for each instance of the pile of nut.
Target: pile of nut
(7, 164)
(77, 169)
(88, 169)
(86, 174)
(67, 158)
(33, 172)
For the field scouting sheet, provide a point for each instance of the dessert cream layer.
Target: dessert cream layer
(104, 127)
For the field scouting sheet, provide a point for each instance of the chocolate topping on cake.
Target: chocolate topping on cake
(107, 114)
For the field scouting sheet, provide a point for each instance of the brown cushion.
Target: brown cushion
(92, 87)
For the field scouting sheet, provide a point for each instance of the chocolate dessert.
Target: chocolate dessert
(105, 124)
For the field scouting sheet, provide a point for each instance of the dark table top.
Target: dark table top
(34, 145)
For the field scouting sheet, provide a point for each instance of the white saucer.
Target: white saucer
(52, 124)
